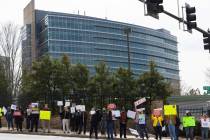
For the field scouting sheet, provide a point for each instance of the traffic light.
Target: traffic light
(190, 17)
(154, 7)
(206, 41)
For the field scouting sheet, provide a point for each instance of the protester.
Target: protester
(34, 118)
(171, 122)
(177, 127)
(189, 130)
(1, 114)
(65, 116)
(18, 116)
(115, 125)
(73, 121)
(28, 117)
(141, 124)
(157, 125)
(123, 122)
(46, 123)
(9, 118)
(103, 121)
(204, 127)
(94, 120)
(110, 125)
(84, 116)
(80, 121)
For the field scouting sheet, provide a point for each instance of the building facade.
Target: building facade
(88, 40)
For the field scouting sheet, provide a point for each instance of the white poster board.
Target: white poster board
(92, 112)
(80, 107)
(59, 103)
(142, 119)
(34, 104)
(116, 113)
(13, 107)
(72, 109)
(131, 114)
(4, 110)
(133, 131)
(67, 103)
(205, 124)
(140, 101)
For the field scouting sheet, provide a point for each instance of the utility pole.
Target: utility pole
(127, 31)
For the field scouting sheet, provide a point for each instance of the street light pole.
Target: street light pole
(127, 31)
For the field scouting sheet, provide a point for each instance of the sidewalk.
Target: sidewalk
(57, 132)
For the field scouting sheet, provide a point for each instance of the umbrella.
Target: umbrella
(111, 106)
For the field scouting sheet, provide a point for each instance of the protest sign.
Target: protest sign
(4, 110)
(67, 103)
(134, 132)
(170, 110)
(116, 113)
(131, 114)
(140, 109)
(72, 109)
(59, 103)
(188, 121)
(205, 123)
(34, 105)
(140, 101)
(142, 119)
(80, 107)
(45, 115)
(92, 112)
(13, 107)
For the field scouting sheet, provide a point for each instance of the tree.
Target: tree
(101, 83)
(124, 84)
(153, 85)
(10, 46)
(5, 98)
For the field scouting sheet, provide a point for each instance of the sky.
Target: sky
(194, 60)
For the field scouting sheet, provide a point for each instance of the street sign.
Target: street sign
(206, 88)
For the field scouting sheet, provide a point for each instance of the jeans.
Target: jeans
(10, 123)
(189, 133)
(65, 123)
(141, 129)
(158, 132)
(110, 129)
(172, 132)
(204, 133)
(46, 123)
(122, 130)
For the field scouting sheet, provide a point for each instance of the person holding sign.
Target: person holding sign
(65, 116)
(34, 118)
(46, 121)
(204, 127)
(18, 116)
(141, 124)
(157, 125)
(1, 114)
(123, 122)
(171, 122)
(188, 122)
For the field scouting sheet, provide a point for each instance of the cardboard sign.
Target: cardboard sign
(140, 101)
(188, 121)
(67, 103)
(131, 114)
(80, 107)
(170, 110)
(205, 124)
(157, 112)
(59, 103)
(13, 107)
(142, 119)
(116, 113)
(72, 109)
(45, 115)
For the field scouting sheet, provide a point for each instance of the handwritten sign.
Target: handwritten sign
(116, 113)
(140, 101)
(170, 110)
(67, 103)
(59, 103)
(188, 121)
(131, 114)
(45, 115)
(142, 119)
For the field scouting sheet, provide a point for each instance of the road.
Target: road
(4, 136)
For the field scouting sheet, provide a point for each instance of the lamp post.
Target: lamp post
(127, 31)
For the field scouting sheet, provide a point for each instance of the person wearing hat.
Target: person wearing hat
(204, 127)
